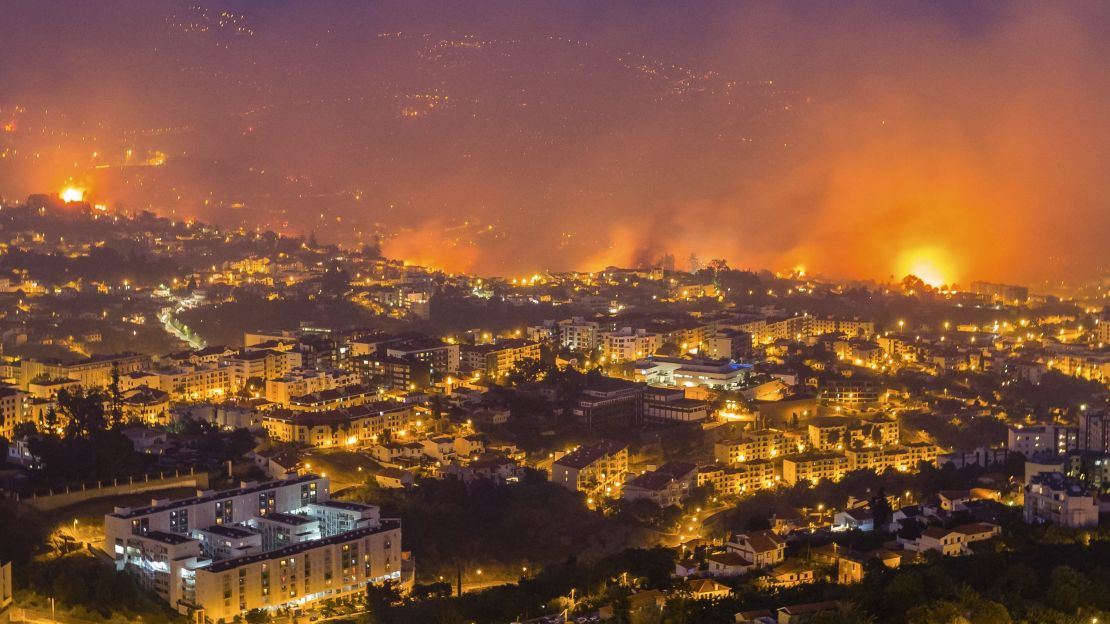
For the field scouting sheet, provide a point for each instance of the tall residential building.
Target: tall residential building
(497, 359)
(1094, 431)
(1054, 498)
(1046, 439)
(577, 334)
(221, 554)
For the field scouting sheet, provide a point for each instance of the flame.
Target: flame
(72, 194)
(932, 265)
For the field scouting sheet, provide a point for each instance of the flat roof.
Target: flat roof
(287, 518)
(228, 531)
(347, 505)
(230, 564)
(167, 538)
(196, 500)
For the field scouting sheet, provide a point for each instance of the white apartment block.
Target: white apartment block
(627, 344)
(1047, 439)
(261, 364)
(1053, 498)
(221, 554)
(578, 334)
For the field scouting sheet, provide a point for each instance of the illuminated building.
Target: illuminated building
(302, 381)
(392, 373)
(184, 383)
(1004, 293)
(763, 549)
(333, 399)
(628, 344)
(262, 546)
(147, 405)
(93, 372)
(813, 467)
(607, 401)
(1060, 500)
(668, 485)
(737, 478)
(852, 393)
(261, 364)
(838, 433)
(691, 372)
(497, 359)
(442, 358)
(14, 409)
(1030, 441)
(901, 458)
(361, 425)
(729, 344)
(597, 470)
(577, 334)
(1094, 431)
(760, 444)
(671, 405)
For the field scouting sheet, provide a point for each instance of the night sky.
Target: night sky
(954, 140)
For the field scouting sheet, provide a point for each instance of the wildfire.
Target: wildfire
(933, 266)
(72, 194)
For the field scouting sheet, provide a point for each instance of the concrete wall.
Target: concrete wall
(64, 497)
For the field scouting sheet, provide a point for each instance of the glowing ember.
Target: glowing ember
(72, 194)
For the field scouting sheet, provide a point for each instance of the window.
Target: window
(179, 521)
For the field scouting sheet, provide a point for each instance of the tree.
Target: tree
(83, 411)
(1066, 589)
(257, 616)
(380, 600)
(115, 398)
(881, 510)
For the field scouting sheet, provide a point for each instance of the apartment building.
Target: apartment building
(216, 556)
(1046, 439)
(1057, 499)
(838, 433)
(392, 373)
(355, 426)
(577, 334)
(302, 381)
(93, 372)
(901, 458)
(195, 382)
(495, 360)
(628, 344)
(596, 470)
(14, 408)
(813, 467)
(259, 364)
(759, 444)
(738, 478)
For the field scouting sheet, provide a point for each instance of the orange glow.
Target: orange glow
(72, 194)
(932, 265)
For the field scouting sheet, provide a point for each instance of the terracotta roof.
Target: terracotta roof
(761, 541)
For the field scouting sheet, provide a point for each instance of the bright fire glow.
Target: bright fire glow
(932, 265)
(72, 194)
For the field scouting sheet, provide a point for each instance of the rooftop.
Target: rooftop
(230, 564)
(196, 500)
